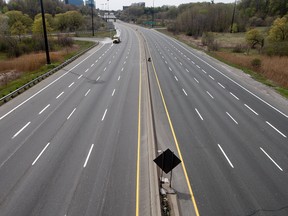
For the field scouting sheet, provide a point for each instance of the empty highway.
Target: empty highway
(75, 144)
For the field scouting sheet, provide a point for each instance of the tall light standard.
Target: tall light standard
(233, 17)
(45, 34)
(153, 15)
(108, 11)
(91, 4)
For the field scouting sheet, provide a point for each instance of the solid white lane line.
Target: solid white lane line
(71, 84)
(103, 117)
(170, 69)
(16, 134)
(276, 129)
(105, 69)
(199, 114)
(176, 78)
(119, 78)
(184, 91)
(71, 113)
(113, 93)
(86, 70)
(198, 66)
(210, 94)
(87, 92)
(80, 76)
(251, 109)
(232, 118)
(196, 80)
(98, 78)
(60, 95)
(225, 156)
(271, 158)
(122, 69)
(43, 109)
(40, 154)
(234, 96)
(88, 156)
(221, 85)
(92, 65)
(211, 77)
(187, 70)
(204, 71)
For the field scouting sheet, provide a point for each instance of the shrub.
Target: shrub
(65, 41)
(256, 63)
(279, 48)
(239, 48)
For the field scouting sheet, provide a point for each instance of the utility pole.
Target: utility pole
(91, 4)
(153, 15)
(233, 17)
(45, 34)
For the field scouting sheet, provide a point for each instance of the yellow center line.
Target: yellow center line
(139, 135)
(175, 140)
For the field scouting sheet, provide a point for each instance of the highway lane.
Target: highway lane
(234, 144)
(69, 144)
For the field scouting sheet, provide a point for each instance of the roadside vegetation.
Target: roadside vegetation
(22, 56)
(254, 38)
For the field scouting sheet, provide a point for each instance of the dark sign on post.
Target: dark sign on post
(167, 161)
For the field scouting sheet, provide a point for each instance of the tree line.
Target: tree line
(20, 18)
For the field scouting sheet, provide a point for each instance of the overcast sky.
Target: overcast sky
(118, 4)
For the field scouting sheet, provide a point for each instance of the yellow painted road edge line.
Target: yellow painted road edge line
(175, 139)
(139, 135)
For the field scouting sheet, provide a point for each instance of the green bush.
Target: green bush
(256, 63)
(279, 48)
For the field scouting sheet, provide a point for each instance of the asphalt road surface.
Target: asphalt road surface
(69, 144)
(230, 136)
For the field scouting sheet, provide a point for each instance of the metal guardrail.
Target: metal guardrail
(28, 85)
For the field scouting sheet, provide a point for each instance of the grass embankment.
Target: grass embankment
(16, 72)
(97, 34)
(272, 71)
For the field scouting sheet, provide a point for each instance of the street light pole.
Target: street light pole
(153, 15)
(92, 18)
(45, 34)
(233, 17)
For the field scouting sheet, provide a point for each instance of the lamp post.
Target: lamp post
(45, 34)
(153, 15)
(233, 16)
(108, 11)
(92, 17)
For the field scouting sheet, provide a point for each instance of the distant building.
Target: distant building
(74, 2)
(89, 2)
(139, 4)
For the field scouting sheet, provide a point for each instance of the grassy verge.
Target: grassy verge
(260, 76)
(26, 77)
(97, 34)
